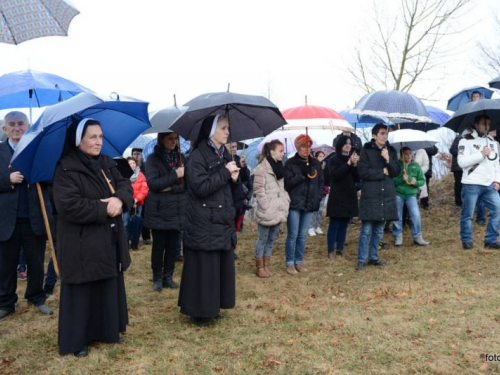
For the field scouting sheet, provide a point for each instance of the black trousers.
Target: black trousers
(163, 253)
(458, 187)
(145, 231)
(34, 250)
(425, 201)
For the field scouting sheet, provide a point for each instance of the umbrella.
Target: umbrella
(315, 117)
(148, 149)
(164, 118)
(252, 153)
(141, 141)
(286, 137)
(249, 116)
(465, 115)
(327, 149)
(464, 96)
(495, 83)
(414, 139)
(360, 122)
(392, 104)
(29, 19)
(40, 148)
(438, 116)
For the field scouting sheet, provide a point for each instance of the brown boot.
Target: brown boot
(267, 263)
(261, 272)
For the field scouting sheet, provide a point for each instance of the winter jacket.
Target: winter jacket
(454, 153)
(478, 170)
(243, 193)
(413, 171)
(378, 194)
(166, 201)
(210, 212)
(357, 144)
(141, 189)
(272, 199)
(343, 198)
(91, 245)
(305, 193)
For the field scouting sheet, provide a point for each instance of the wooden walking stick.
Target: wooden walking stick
(47, 228)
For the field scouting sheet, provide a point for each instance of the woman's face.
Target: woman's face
(347, 147)
(320, 157)
(221, 132)
(304, 150)
(278, 153)
(132, 164)
(91, 143)
(170, 141)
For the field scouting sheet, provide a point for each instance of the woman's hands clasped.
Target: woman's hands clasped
(234, 170)
(114, 207)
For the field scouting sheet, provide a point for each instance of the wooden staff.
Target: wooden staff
(47, 228)
(111, 188)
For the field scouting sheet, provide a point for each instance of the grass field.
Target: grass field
(431, 310)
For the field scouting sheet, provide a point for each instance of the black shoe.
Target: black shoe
(49, 290)
(236, 257)
(467, 245)
(121, 340)
(82, 353)
(493, 246)
(376, 263)
(200, 322)
(220, 317)
(158, 286)
(4, 313)
(331, 255)
(360, 266)
(170, 283)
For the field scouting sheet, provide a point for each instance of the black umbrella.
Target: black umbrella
(249, 116)
(464, 117)
(495, 83)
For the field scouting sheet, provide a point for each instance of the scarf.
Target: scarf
(277, 167)
(135, 175)
(94, 165)
(219, 151)
(171, 158)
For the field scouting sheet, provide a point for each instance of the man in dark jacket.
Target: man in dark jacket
(457, 171)
(378, 165)
(431, 151)
(21, 224)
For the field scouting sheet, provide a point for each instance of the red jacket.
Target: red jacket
(140, 189)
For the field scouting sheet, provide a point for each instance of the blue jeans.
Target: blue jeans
(369, 238)
(337, 230)
(21, 267)
(265, 241)
(470, 195)
(297, 225)
(51, 278)
(481, 214)
(414, 212)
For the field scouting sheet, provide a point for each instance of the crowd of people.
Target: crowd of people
(98, 207)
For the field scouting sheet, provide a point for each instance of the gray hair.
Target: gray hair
(16, 114)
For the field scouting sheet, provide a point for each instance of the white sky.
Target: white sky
(151, 49)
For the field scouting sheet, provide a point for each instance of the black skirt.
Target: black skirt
(95, 311)
(208, 283)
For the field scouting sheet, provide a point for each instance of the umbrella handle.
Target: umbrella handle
(111, 188)
(47, 228)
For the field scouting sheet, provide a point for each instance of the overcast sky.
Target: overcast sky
(151, 49)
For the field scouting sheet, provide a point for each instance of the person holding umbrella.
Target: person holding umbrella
(90, 195)
(165, 206)
(208, 276)
(478, 157)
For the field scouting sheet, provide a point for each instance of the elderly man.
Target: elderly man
(21, 224)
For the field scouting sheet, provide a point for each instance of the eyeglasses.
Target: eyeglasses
(136, 153)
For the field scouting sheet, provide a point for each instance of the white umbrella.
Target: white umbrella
(319, 124)
(414, 139)
(286, 137)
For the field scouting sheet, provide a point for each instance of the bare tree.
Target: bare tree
(410, 46)
(489, 54)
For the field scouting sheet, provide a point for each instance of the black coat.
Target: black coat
(431, 151)
(244, 191)
(165, 210)
(210, 212)
(305, 193)
(378, 194)
(9, 198)
(343, 198)
(91, 245)
(454, 153)
(357, 144)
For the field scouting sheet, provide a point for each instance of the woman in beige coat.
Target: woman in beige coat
(272, 203)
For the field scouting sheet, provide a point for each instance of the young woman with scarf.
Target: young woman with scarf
(165, 207)
(272, 203)
(92, 245)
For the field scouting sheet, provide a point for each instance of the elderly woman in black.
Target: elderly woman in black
(90, 195)
(165, 206)
(208, 276)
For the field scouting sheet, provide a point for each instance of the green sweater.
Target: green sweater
(414, 171)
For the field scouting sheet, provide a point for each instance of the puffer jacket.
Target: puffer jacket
(141, 189)
(272, 199)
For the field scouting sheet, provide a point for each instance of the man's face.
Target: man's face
(407, 156)
(381, 137)
(15, 127)
(233, 148)
(475, 97)
(137, 155)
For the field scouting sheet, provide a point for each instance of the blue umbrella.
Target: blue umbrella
(252, 153)
(41, 147)
(464, 96)
(148, 149)
(141, 141)
(495, 83)
(392, 104)
(360, 122)
(437, 115)
(29, 88)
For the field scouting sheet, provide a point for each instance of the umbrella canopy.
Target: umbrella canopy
(29, 19)
(252, 153)
(465, 96)
(286, 137)
(40, 149)
(29, 88)
(163, 119)
(414, 139)
(315, 117)
(437, 115)
(148, 148)
(249, 116)
(392, 104)
(325, 148)
(495, 83)
(464, 117)
(360, 122)
(141, 141)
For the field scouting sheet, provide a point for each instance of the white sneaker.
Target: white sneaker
(311, 232)
(319, 230)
